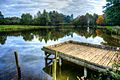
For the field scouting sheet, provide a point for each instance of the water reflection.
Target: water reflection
(31, 57)
(56, 34)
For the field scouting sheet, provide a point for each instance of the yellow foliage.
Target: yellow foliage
(100, 20)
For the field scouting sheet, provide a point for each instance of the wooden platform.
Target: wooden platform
(91, 56)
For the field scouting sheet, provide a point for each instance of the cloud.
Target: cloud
(76, 7)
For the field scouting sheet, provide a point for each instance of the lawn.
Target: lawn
(109, 27)
(7, 28)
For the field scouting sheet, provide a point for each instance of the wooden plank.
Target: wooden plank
(101, 56)
(81, 51)
(84, 52)
(107, 60)
(63, 48)
(112, 61)
(104, 58)
(96, 57)
(77, 54)
(93, 54)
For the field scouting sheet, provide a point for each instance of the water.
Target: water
(28, 44)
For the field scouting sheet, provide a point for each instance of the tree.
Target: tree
(1, 15)
(26, 19)
(82, 20)
(95, 16)
(12, 20)
(100, 20)
(56, 18)
(37, 18)
(86, 19)
(90, 19)
(112, 12)
(1, 18)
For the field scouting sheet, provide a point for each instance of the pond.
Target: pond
(28, 44)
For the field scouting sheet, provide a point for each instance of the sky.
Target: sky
(68, 7)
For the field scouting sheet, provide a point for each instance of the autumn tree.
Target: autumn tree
(100, 20)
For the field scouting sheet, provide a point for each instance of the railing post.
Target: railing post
(17, 65)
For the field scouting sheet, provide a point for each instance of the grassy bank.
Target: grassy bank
(7, 28)
(113, 29)
(109, 27)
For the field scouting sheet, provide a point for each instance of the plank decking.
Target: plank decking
(86, 55)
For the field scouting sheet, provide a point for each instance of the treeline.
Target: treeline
(110, 17)
(86, 19)
(45, 18)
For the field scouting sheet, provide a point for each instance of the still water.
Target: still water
(28, 44)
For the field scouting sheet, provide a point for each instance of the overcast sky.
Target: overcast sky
(76, 7)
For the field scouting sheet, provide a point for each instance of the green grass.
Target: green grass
(7, 28)
(109, 27)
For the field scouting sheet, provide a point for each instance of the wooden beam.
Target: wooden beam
(17, 65)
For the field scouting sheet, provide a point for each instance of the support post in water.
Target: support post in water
(17, 65)
(85, 72)
(54, 68)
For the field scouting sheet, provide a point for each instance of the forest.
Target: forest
(110, 17)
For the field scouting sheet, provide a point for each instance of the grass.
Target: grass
(7, 28)
(109, 27)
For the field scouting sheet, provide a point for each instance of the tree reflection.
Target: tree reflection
(3, 39)
(54, 34)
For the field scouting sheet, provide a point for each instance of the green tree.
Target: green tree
(26, 19)
(44, 18)
(90, 19)
(1, 18)
(11, 20)
(37, 18)
(1, 15)
(95, 16)
(82, 20)
(112, 12)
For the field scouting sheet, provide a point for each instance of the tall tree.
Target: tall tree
(1, 15)
(95, 16)
(37, 18)
(26, 19)
(45, 19)
(90, 19)
(1, 18)
(112, 12)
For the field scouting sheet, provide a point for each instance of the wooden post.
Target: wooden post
(17, 65)
(54, 69)
(85, 72)
(60, 62)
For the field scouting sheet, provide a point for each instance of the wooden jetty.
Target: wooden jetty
(95, 57)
